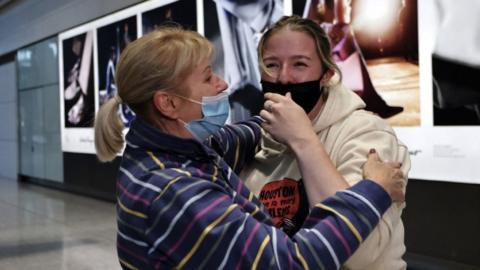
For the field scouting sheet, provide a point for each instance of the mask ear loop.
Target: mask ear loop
(185, 126)
(181, 121)
(186, 98)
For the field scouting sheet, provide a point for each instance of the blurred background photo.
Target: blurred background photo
(375, 44)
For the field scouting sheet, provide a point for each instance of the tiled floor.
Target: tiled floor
(41, 228)
(46, 229)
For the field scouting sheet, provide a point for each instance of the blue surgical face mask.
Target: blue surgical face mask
(215, 111)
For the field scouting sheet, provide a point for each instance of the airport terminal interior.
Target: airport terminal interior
(58, 204)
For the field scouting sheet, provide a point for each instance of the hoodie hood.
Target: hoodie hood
(340, 103)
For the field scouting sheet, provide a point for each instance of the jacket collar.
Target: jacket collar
(143, 135)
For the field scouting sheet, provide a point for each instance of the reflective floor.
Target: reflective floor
(41, 228)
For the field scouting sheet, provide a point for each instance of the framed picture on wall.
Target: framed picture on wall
(456, 65)
(234, 27)
(111, 40)
(78, 98)
(181, 12)
(375, 45)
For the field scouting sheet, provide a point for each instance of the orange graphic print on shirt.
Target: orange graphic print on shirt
(283, 199)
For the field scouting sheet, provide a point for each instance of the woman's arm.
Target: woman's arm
(288, 123)
(384, 247)
(195, 224)
(237, 143)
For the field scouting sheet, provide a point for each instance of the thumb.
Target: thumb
(373, 155)
(288, 95)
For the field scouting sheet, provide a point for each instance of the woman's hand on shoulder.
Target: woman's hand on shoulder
(386, 174)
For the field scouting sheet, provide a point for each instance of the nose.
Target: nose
(284, 76)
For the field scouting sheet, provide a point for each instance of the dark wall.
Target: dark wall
(442, 220)
(83, 173)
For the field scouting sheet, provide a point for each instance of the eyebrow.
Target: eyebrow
(294, 57)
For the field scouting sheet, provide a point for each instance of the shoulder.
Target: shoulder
(360, 131)
(361, 121)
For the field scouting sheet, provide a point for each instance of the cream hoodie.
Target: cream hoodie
(347, 133)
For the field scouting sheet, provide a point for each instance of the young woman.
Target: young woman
(295, 56)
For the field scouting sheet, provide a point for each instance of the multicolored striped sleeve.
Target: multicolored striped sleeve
(193, 224)
(237, 143)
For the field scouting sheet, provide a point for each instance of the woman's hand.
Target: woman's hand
(288, 124)
(286, 121)
(386, 174)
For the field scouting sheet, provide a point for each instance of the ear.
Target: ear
(165, 104)
(327, 76)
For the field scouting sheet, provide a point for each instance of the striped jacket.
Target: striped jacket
(180, 205)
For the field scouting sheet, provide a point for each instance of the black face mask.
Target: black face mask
(305, 94)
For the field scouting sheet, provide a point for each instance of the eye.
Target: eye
(271, 65)
(209, 77)
(300, 64)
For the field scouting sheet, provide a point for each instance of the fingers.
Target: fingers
(373, 155)
(399, 174)
(398, 188)
(266, 115)
(278, 100)
(398, 196)
(266, 126)
(274, 97)
(395, 164)
(268, 105)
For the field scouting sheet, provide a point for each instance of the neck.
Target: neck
(318, 108)
(172, 127)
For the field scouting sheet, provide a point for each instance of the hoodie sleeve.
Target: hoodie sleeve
(384, 248)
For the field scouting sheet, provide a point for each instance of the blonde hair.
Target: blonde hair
(160, 60)
(311, 28)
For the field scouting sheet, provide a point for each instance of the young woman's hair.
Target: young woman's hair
(311, 28)
(159, 61)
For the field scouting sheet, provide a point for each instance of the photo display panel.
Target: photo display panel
(416, 68)
(406, 59)
(88, 57)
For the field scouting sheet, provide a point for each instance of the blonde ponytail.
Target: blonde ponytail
(108, 130)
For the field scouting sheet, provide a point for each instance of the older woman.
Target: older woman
(180, 203)
(295, 56)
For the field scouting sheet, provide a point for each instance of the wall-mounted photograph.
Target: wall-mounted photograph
(78, 94)
(183, 12)
(456, 63)
(235, 27)
(111, 40)
(375, 45)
